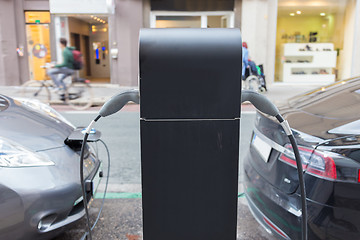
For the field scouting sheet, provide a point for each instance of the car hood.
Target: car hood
(29, 128)
(328, 112)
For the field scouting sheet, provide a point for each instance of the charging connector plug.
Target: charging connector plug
(115, 104)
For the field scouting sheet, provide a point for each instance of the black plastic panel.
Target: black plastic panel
(190, 73)
(189, 179)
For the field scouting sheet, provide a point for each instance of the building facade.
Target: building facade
(106, 32)
(297, 41)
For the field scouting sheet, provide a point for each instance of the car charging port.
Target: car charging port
(74, 140)
(89, 186)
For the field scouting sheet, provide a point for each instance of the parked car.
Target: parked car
(326, 124)
(40, 191)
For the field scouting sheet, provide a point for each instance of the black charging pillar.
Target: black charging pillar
(190, 86)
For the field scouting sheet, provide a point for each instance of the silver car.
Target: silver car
(40, 191)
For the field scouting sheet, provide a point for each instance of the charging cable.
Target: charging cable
(105, 191)
(112, 106)
(263, 104)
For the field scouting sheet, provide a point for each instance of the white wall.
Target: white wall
(258, 28)
(355, 71)
(254, 28)
(61, 31)
(350, 55)
(347, 52)
(271, 41)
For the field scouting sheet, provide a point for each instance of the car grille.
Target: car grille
(4, 103)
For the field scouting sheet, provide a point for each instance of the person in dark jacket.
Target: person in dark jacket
(60, 71)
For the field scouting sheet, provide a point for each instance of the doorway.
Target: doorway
(38, 42)
(175, 19)
(89, 34)
(311, 42)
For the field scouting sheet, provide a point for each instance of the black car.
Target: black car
(326, 125)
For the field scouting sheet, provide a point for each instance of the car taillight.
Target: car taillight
(314, 162)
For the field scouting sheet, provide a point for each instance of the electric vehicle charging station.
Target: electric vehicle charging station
(190, 94)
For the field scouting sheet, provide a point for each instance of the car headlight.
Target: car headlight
(15, 155)
(45, 109)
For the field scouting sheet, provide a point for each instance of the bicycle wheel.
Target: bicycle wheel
(36, 90)
(252, 83)
(79, 95)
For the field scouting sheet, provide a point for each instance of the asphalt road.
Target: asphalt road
(122, 214)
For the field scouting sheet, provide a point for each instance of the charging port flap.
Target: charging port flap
(74, 140)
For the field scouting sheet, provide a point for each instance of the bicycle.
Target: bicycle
(253, 82)
(78, 92)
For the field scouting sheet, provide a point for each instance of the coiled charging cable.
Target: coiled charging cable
(110, 107)
(263, 104)
(103, 199)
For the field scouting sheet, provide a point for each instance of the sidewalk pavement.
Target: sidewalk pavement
(277, 92)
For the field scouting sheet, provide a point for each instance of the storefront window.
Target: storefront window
(178, 22)
(310, 40)
(168, 19)
(37, 17)
(38, 43)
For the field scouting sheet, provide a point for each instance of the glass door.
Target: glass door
(168, 19)
(178, 22)
(38, 43)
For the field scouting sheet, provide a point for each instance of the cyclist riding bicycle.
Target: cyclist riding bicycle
(60, 71)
